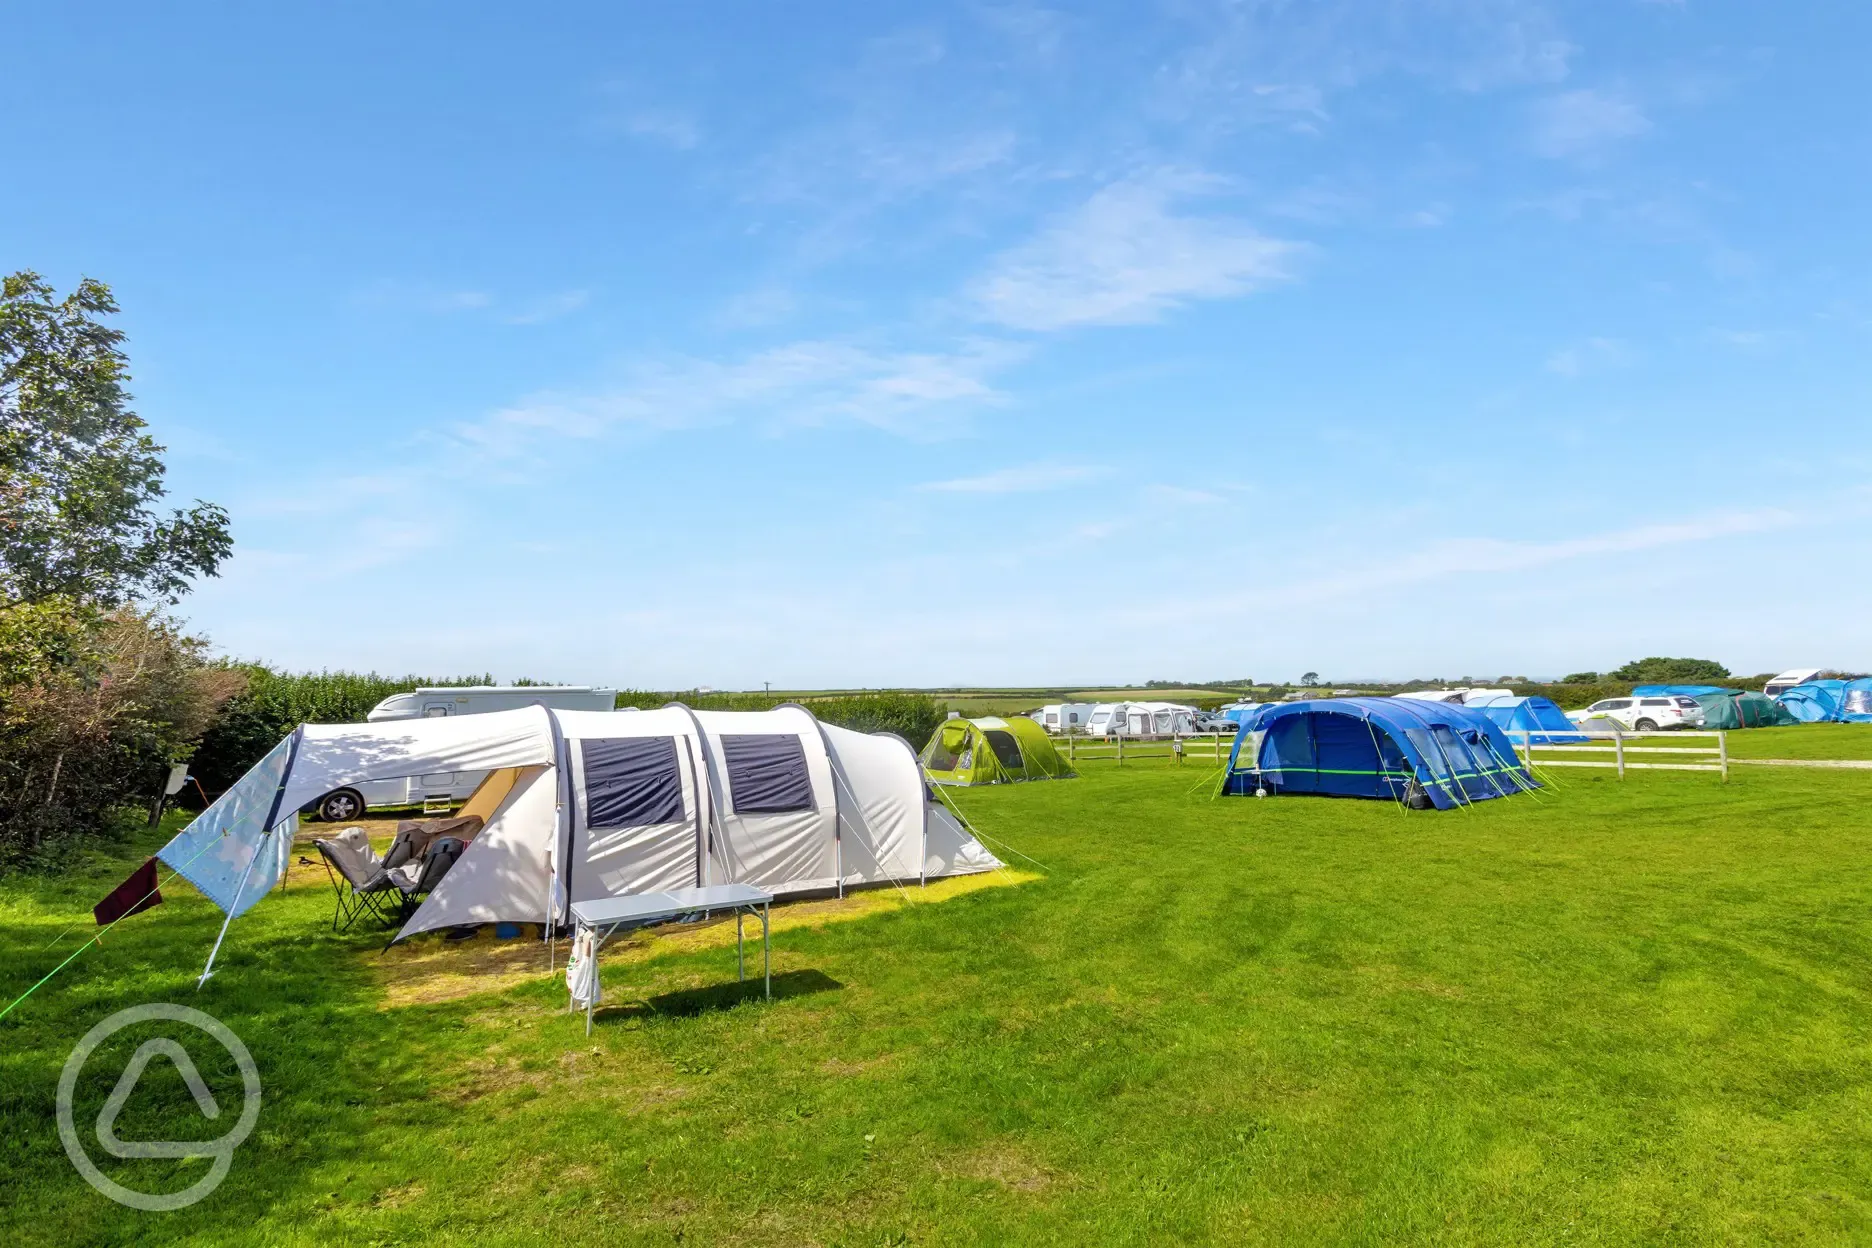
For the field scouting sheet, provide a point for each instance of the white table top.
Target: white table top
(605, 911)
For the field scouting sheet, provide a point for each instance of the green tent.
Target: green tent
(992, 751)
(1731, 708)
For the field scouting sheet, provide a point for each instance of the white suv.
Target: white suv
(1644, 714)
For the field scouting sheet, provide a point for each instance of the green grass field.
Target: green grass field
(1611, 1013)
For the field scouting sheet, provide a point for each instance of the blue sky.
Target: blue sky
(873, 344)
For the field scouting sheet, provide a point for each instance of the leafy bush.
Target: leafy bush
(1662, 671)
(94, 708)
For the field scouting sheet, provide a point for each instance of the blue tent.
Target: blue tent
(1830, 701)
(1537, 719)
(1440, 754)
(1236, 712)
(1686, 691)
(1815, 701)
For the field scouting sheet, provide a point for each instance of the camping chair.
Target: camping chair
(360, 883)
(413, 886)
(415, 836)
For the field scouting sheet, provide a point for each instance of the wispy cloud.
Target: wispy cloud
(798, 384)
(392, 294)
(754, 309)
(1589, 356)
(1029, 479)
(1260, 64)
(671, 129)
(1585, 122)
(1183, 495)
(1127, 256)
(549, 307)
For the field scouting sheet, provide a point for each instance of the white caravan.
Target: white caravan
(1788, 679)
(1463, 695)
(476, 699)
(444, 788)
(1140, 719)
(1064, 717)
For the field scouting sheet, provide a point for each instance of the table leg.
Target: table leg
(766, 951)
(740, 961)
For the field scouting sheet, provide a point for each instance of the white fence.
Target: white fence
(1204, 746)
(1713, 757)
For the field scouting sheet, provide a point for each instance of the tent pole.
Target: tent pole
(267, 830)
(225, 923)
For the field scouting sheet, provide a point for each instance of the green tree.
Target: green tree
(79, 477)
(1309, 678)
(1662, 671)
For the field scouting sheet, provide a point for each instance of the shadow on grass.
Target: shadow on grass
(693, 1001)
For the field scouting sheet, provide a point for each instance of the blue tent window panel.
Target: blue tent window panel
(631, 782)
(767, 773)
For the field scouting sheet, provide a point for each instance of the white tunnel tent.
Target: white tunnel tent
(580, 805)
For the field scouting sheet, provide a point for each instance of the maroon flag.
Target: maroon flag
(134, 895)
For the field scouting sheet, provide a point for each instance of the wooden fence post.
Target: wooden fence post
(1722, 753)
(1071, 752)
(1121, 749)
(1618, 744)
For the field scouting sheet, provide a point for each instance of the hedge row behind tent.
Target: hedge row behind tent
(1733, 708)
(1440, 754)
(992, 751)
(1830, 701)
(1536, 719)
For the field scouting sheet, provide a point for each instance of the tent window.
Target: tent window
(631, 782)
(767, 774)
(1004, 746)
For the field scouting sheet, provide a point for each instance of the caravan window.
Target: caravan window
(767, 773)
(631, 782)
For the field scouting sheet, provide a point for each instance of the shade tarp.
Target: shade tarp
(239, 847)
(1440, 754)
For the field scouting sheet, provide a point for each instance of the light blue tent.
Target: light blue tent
(1538, 719)
(1830, 701)
(1814, 702)
(1236, 712)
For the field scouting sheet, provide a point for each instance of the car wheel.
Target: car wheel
(1645, 725)
(336, 807)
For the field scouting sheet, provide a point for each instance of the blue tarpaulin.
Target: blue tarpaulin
(1437, 754)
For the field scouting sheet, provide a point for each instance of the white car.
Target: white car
(1644, 714)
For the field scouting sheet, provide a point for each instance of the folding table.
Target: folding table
(606, 914)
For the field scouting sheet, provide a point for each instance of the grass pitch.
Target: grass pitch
(1614, 1012)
